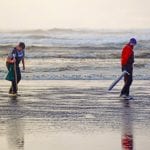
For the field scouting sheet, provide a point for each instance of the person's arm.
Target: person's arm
(23, 60)
(23, 63)
(10, 60)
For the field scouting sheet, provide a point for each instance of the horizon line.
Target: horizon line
(73, 29)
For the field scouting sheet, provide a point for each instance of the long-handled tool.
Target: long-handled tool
(15, 73)
(117, 80)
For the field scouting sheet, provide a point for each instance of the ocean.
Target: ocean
(67, 54)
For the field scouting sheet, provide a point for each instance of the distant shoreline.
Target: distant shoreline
(73, 30)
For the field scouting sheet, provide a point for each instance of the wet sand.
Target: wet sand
(71, 115)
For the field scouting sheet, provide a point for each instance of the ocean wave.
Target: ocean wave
(75, 39)
(87, 47)
(110, 46)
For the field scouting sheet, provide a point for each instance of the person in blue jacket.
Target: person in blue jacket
(15, 57)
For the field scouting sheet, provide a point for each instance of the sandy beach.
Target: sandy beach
(64, 115)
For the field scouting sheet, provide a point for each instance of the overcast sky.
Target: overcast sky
(94, 14)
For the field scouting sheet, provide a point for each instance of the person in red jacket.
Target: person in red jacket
(127, 60)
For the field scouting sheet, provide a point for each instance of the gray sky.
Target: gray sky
(94, 14)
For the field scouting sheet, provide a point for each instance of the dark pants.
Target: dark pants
(13, 88)
(127, 82)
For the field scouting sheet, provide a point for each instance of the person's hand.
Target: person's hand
(24, 68)
(13, 61)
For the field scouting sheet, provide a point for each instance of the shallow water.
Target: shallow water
(77, 69)
(64, 115)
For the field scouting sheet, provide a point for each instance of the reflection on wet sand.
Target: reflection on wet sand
(15, 127)
(127, 127)
(70, 115)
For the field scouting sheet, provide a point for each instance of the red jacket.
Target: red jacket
(127, 57)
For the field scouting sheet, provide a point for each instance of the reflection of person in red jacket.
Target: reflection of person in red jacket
(127, 142)
(127, 60)
(127, 139)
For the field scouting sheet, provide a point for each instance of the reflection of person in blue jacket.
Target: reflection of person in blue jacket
(15, 57)
(127, 131)
(15, 127)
